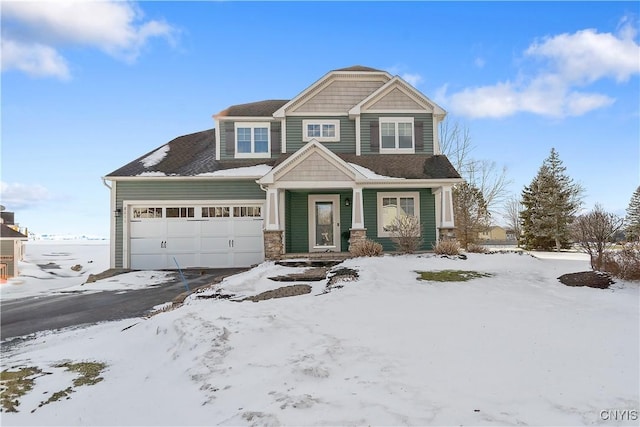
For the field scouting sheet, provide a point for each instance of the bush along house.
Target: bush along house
(334, 165)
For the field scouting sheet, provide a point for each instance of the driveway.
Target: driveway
(25, 316)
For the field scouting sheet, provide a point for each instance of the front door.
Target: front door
(324, 223)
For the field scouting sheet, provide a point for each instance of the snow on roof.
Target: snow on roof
(155, 157)
(369, 174)
(257, 170)
(152, 173)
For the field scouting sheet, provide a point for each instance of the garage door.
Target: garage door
(211, 236)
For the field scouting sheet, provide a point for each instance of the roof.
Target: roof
(254, 109)
(359, 68)
(194, 154)
(7, 232)
(188, 155)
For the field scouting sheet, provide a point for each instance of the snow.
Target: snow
(368, 173)
(247, 171)
(387, 349)
(155, 157)
(152, 173)
(47, 270)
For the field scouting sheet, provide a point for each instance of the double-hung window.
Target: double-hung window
(252, 139)
(392, 206)
(321, 130)
(396, 135)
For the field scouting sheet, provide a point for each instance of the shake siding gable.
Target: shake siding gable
(347, 143)
(205, 190)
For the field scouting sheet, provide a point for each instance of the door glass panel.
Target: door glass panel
(324, 224)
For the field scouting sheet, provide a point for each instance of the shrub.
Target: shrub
(446, 247)
(406, 234)
(623, 264)
(366, 248)
(476, 249)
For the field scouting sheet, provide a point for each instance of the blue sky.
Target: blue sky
(89, 87)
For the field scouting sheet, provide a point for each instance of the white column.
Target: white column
(357, 209)
(447, 208)
(272, 215)
(283, 135)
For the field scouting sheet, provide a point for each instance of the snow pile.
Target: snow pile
(155, 157)
(369, 174)
(256, 171)
(514, 348)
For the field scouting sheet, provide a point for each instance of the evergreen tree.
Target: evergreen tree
(633, 217)
(549, 206)
(470, 211)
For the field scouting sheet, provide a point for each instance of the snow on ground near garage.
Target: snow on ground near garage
(387, 349)
(47, 269)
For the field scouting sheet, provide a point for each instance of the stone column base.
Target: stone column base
(357, 235)
(273, 244)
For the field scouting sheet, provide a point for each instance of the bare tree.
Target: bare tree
(405, 234)
(470, 211)
(485, 175)
(594, 231)
(512, 209)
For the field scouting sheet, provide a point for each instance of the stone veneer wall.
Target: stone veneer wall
(357, 235)
(273, 244)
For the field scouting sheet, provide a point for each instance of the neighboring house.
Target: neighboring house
(334, 165)
(11, 246)
(493, 233)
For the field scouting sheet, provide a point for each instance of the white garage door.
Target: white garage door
(165, 237)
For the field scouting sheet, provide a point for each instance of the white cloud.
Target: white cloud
(20, 196)
(35, 59)
(567, 63)
(412, 79)
(117, 28)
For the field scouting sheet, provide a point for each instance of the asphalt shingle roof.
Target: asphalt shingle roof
(194, 154)
(9, 233)
(254, 109)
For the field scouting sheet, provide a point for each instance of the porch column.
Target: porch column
(444, 212)
(357, 232)
(273, 235)
(272, 214)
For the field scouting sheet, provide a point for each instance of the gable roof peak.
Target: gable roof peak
(253, 109)
(360, 68)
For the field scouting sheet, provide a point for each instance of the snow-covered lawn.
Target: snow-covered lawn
(387, 349)
(59, 266)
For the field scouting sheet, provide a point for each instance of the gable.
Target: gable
(314, 167)
(395, 100)
(338, 96)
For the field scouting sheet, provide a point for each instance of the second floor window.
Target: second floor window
(252, 140)
(321, 130)
(396, 134)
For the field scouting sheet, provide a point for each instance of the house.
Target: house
(493, 233)
(11, 245)
(316, 173)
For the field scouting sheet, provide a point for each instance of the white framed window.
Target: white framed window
(394, 205)
(253, 139)
(321, 130)
(396, 135)
(186, 212)
(146, 213)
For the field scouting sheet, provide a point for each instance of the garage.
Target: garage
(192, 235)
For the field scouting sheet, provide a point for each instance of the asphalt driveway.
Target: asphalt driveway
(25, 316)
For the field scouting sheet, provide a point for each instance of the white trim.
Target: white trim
(112, 233)
(253, 126)
(216, 123)
(321, 123)
(379, 210)
(397, 149)
(448, 220)
(358, 137)
(318, 114)
(246, 118)
(335, 200)
(283, 135)
(183, 178)
(357, 210)
(436, 136)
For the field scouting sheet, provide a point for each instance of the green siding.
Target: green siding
(224, 126)
(427, 130)
(179, 190)
(427, 214)
(347, 143)
(297, 220)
